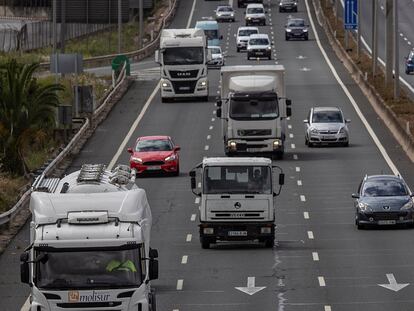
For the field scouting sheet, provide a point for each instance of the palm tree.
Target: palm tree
(26, 107)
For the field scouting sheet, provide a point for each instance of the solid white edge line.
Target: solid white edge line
(133, 128)
(26, 305)
(180, 284)
(190, 17)
(321, 281)
(350, 97)
(315, 256)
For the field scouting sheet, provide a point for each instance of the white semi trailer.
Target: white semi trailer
(183, 60)
(253, 108)
(90, 243)
(237, 199)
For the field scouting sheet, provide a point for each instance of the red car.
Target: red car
(155, 154)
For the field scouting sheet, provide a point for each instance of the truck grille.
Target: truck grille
(184, 74)
(252, 215)
(184, 87)
(243, 147)
(264, 132)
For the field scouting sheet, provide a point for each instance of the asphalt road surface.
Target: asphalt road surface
(320, 261)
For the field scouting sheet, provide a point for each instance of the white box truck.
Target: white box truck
(90, 243)
(237, 199)
(183, 60)
(253, 108)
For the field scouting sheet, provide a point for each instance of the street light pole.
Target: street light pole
(359, 33)
(119, 27)
(374, 43)
(389, 41)
(396, 54)
(141, 23)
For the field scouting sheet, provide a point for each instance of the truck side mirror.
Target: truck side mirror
(218, 113)
(24, 268)
(153, 253)
(281, 179)
(153, 269)
(288, 111)
(157, 57)
(193, 183)
(218, 102)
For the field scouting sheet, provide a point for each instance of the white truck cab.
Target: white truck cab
(183, 60)
(237, 199)
(89, 243)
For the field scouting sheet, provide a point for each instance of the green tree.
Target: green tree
(27, 109)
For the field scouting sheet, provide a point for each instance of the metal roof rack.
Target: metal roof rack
(91, 173)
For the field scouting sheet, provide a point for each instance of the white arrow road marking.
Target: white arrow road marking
(393, 285)
(251, 289)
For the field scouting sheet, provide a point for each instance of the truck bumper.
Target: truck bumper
(270, 145)
(236, 231)
(184, 88)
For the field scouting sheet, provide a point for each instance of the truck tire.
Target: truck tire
(278, 155)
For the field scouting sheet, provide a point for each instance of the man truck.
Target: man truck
(183, 60)
(253, 108)
(90, 243)
(237, 199)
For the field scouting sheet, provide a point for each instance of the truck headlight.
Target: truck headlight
(277, 143)
(136, 160)
(203, 83)
(265, 230)
(249, 18)
(165, 85)
(231, 144)
(208, 230)
(269, 47)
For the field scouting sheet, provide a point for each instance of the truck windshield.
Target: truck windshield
(237, 179)
(92, 268)
(254, 109)
(183, 56)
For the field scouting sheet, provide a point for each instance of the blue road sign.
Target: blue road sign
(351, 14)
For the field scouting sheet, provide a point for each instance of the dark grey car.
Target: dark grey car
(288, 6)
(383, 200)
(296, 28)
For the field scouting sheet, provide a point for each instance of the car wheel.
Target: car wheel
(346, 144)
(280, 10)
(286, 37)
(238, 50)
(306, 38)
(310, 145)
(165, 100)
(407, 72)
(360, 226)
(306, 141)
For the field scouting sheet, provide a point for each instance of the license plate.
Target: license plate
(387, 222)
(237, 233)
(327, 137)
(154, 168)
(254, 149)
(259, 53)
(184, 88)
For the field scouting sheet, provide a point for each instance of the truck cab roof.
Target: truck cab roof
(245, 161)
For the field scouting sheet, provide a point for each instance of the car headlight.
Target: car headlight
(269, 47)
(342, 131)
(249, 18)
(363, 207)
(305, 30)
(231, 144)
(288, 30)
(171, 157)
(136, 160)
(408, 205)
(314, 131)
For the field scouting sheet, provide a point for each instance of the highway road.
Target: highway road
(320, 261)
(405, 33)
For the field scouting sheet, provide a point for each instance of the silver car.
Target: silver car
(217, 57)
(326, 126)
(225, 13)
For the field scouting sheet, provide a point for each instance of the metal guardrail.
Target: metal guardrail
(135, 55)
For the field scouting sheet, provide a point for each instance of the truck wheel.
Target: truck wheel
(204, 99)
(165, 100)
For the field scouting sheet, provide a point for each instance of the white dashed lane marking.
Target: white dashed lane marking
(295, 157)
(299, 183)
(315, 256)
(327, 308)
(208, 137)
(206, 147)
(297, 169)
(210, 128)
(321, 281)
(180, 284)
(197, 200)
(310, 235)
(306, 215)
(189, 237)
(193, 217)
(184, 260)
(302, 198)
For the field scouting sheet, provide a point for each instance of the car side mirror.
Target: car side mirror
(221, 37)
(193, 183)
(177, 148)
(288, 111)
(130, 150)
(218, 112)
(355, 196)
(347, 121)
(153, 269)
(24, 268)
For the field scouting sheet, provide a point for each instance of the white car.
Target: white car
(216, 57)
(255, 14)
(243, 34)
(225, 13)
(259, 46)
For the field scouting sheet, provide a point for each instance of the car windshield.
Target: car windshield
(183, 56)
(247, 32)
(225, 9)
(254, 108)
(296, 23)
(259, 41)
(384, 188)
(215, 50)
(255, 11)
(237, 179)
(153, 145)
(88, 269)
(211, 34)
(327, 117)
